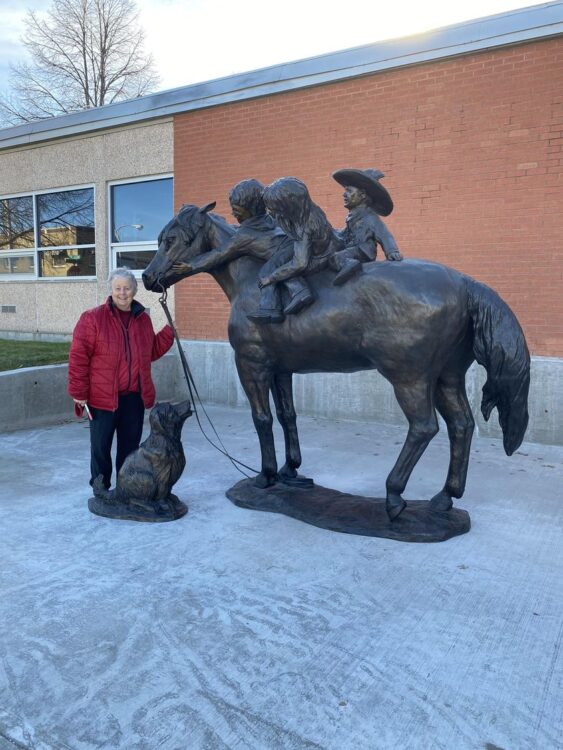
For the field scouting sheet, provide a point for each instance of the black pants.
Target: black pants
(127, 421)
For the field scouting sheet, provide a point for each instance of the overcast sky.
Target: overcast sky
(198, 40)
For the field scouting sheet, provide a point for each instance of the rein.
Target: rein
(194, 395)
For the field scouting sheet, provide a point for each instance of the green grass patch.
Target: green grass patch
(17, 354)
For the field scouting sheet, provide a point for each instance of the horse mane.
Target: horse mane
(218, 219)
(184, 220)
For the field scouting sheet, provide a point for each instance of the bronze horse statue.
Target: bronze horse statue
(420, 324)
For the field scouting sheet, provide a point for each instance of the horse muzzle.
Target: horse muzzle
(155, 282)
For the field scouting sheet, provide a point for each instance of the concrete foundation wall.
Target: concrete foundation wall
(35, 336)
(36, 396)
(368, 396)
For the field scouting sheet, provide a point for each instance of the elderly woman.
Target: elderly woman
(109, 371)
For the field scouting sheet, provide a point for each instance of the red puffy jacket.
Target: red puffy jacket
(101, 347)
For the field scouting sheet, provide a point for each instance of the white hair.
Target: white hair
(123, 273)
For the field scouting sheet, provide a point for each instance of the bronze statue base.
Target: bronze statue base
(352, 514)
(169, 510)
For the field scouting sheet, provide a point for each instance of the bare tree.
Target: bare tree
(84, 53)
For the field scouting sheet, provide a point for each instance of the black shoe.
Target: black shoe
(350, 268)
(266, 316)
(296, 304)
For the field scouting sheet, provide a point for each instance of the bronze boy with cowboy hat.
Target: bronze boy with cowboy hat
(366, 200)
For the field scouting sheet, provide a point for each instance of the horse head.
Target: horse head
(181, 240)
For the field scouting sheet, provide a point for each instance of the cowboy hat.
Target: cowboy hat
(367, 180)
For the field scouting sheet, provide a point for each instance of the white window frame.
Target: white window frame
(114, 247)
(34, 251)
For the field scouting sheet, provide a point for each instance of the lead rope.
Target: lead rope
(192, 388)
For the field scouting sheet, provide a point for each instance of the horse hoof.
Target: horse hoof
(263, 480)
(394, 506)
(296, 481)
(441, 502)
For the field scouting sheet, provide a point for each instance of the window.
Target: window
(138, 212)
(17, 237)
(48, 235)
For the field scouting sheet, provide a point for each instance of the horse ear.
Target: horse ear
(207, 208)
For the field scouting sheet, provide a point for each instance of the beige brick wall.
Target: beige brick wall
(140, 150)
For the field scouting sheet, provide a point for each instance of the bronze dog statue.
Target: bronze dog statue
(144, 483)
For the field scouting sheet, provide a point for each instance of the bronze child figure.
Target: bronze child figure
(259, 236)
(314, 240)
(366, 200)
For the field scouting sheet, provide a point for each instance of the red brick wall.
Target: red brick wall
(472, 152)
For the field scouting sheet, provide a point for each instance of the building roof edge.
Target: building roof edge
(513, 27)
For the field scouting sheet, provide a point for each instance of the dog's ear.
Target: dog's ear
(155, 419)
(183, 409)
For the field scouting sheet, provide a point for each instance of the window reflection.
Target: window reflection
(136, 260)
(61, 221)
(16, 264)
(16, 223)
(72, 262)
(66, 218)
(140, 210)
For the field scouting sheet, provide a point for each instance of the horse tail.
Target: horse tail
(499, 345)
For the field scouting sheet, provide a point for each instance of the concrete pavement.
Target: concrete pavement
(233, 628)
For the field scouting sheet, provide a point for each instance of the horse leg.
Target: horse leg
(452, 403)
(282, 392)
(416, 401)
(256, 380)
